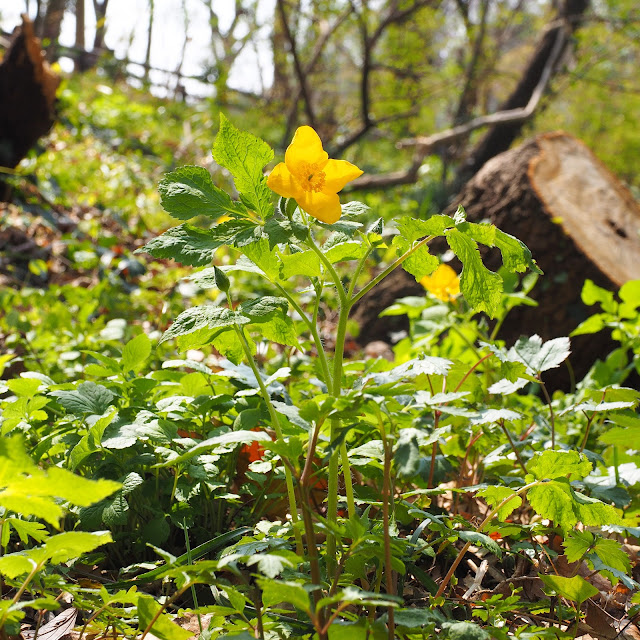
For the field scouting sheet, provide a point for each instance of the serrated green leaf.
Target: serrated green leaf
(189, 191)
(577, 544)
(13, 565)
(593, 512)
(245, 156)
(283, 231)
(24, 387)
(592, 293)
(351, 250)
(135, 353)
(203, 317)
(261, 255)
(184, 244)
(592, 324)
(576, 589)
(420, 263)
(89, 397)
(481, 288)
(612, 554)
(412, 229)
(495, 495)
(26, 530)
(305, 263)
(226, 341)
(558, 464)
(539, 356)
(72, 544)
(276, 591)
(516, 256)
(264, 307)
(553, 500)
(163, 627)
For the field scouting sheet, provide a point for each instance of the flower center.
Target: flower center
(309, 176)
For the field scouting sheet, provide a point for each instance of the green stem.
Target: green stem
(356, 275)
(394, 265)
(279, 435)
(335, 389)
(313, 329)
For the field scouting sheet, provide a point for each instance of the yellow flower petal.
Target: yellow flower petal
(306, 147)
(283, 183)
(443, 283)
(338, 173)
(323, 206)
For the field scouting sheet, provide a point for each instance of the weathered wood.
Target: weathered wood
(27, 96)
(579, 222)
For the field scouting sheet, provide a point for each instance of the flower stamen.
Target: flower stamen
(310, 177)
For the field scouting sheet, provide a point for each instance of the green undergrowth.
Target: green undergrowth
(199, 439)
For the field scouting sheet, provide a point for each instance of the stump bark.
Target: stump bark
(27, 96)
(579, 222)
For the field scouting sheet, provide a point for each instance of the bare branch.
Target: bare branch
(325, 35)
(302, 80)
(425, 144)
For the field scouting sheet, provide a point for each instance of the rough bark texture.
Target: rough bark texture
(578, 221)
(27, 96)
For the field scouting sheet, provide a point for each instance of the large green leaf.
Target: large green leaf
(184, 244)
(276, 591)
(481, 288)
(576, 589)
(539, 356)
(189, 191)
(495, 495)
(89, 397)
(557, 464)
(245, 156)
(203, 317)
(135, 353)
(163, 627)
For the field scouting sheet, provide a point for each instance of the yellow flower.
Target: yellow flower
(310, 178)
(443, 283)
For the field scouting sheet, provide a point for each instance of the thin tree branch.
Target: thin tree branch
(302, 79)
(325, 35)
(425, 144)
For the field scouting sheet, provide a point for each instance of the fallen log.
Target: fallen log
(578, 220)
(27, 96)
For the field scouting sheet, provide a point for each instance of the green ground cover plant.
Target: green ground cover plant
(288, 487)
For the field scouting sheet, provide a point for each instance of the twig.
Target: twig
(425, 144)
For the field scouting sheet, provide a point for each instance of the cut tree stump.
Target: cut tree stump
(578, 221)
(27, 96)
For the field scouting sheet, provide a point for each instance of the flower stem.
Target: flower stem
(394, 265)
(279, 435)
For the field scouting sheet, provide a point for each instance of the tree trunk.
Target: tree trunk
(578, 220)
(147, 57)
(27, 97)
(500, 137)
(82, 61)
(100, 9)
(51, 27)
